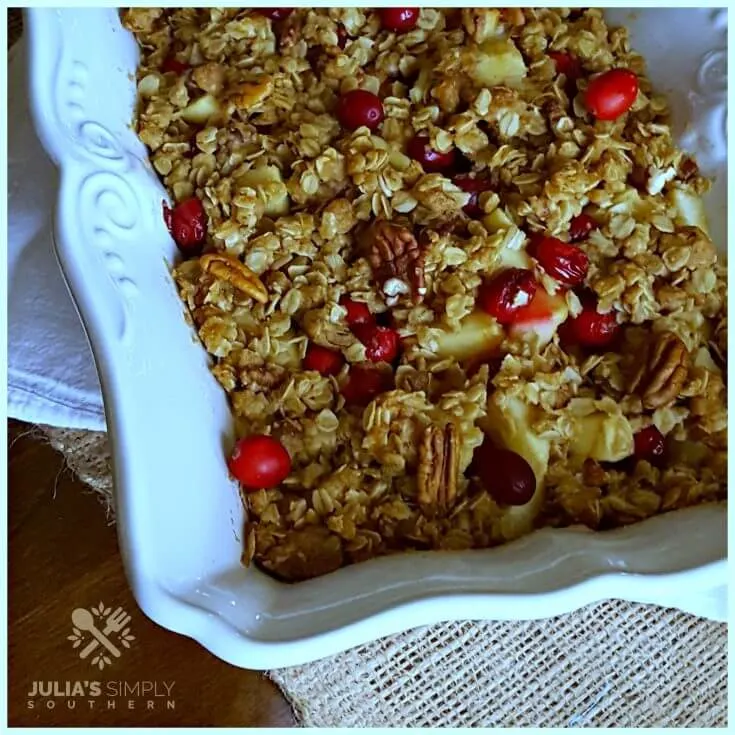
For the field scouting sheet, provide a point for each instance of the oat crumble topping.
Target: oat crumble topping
(451, 263)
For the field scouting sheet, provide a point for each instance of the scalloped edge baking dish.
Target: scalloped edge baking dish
(179, 515)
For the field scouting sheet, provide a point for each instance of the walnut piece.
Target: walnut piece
(662, 371)
(230, 269)
(438, 469)
(397, 259)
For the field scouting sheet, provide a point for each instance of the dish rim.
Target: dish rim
(215, 634)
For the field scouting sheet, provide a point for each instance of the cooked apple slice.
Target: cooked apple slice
(199, 111)
(479, 336)
(497, 220)
(268, 178)
(603, 437)
(689, 209)
(496, 61)
(510, 258)
(541, 318)
(509, 424)
(703, 358)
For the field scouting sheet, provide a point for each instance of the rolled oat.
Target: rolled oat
(383, 464)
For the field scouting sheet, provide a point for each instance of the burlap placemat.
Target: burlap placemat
(612, 664)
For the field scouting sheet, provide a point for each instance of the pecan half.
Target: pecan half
(438, 469)
(662, 371)
(397, 259)
(230, 269)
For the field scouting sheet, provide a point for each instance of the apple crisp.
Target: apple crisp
(450, 267)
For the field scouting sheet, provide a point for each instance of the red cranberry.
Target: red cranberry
(533, 242)
(474, 186)
(508, 292)
(323, 360)
(172, 64)
(566, 64)
(507, 476)
(611, 94)
(566, 263)
(649, 445)
(276, 14)
(360, 107)
(364, 384)
(357, 312)
(419, 148)
(580, 227)
(590, 329)
(381, 343)
(399, 20)
(187, 223)
(259, 461)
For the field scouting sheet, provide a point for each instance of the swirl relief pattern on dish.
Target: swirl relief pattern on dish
(706, 134)
(108, 210)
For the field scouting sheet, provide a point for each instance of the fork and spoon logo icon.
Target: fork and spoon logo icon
(101, 623)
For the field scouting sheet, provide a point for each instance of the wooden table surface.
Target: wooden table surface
(63, 554)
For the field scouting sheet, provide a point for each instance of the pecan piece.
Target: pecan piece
(397, 259)
(438, 470)
(662, 372)
(230, 269)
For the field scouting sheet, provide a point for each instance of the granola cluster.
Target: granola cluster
(483, 143)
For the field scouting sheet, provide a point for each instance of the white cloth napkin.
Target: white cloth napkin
(51, 373)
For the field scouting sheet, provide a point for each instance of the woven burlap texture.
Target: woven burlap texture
(612, 664)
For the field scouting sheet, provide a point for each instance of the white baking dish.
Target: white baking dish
(179, 516)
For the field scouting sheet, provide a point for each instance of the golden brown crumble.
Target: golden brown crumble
(239, 111)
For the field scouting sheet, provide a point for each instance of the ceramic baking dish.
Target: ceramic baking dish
(179, 515)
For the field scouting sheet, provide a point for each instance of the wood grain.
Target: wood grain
(63, 554)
